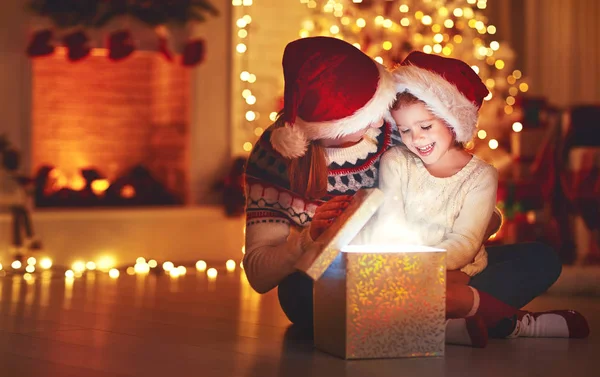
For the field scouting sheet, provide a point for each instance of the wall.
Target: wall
(14, 77)
(558, 44)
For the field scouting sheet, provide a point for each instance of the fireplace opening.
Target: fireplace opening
(110, 133)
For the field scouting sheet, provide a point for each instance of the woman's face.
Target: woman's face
(352, 138)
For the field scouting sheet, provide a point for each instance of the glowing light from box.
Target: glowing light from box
(168, 266)
(69, 274)
(114, 273)
(182, 270)
(201, 265)
(46, 263)
(140, 260)
(212, 273)
(90, 266)
(31, 261)
(493, 144)
(99, 186)
(16, 265)
(230, 265)
(152, 263)
(174, 272)
(30, 268)
(481, 134)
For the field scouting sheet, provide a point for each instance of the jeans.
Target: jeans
(515, 274)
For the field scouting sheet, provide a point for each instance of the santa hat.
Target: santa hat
(332, 89)
(449, 87)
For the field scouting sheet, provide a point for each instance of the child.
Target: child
(440, 195)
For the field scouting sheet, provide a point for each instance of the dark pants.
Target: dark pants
(21, 223)
(516, 274)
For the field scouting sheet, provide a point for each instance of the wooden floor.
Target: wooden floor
(155, 325)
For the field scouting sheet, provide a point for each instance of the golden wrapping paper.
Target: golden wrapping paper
(384, 304)
(375, 301)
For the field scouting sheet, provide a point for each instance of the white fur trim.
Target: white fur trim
(371, 112)
(290, 141)
(442, 98)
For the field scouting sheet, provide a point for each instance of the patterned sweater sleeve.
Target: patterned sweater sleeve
(276, 220)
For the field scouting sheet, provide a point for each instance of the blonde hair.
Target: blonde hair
(307, 174)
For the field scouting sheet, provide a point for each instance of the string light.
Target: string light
(517, 126)
(243, 23)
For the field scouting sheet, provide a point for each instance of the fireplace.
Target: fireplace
(106, 133)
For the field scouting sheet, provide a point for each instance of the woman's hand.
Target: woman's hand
(326, 213)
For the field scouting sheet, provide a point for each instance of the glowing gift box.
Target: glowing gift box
(375, 301)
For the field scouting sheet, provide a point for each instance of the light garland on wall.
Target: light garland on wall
(388, 30)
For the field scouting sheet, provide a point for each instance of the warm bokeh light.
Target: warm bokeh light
(114, 273)
(69, 274)
(16, 265)
(482, 134)
(168, 266)
(32, 261)
(30, 268)
(78, 266)
(201, 265)
(152, 263)
(230, 265)
(90, 266)
(46, 263)
(211, 273)
(493, 144)
(517, 126)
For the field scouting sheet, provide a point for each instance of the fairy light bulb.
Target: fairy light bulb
(230, 265)
(211, 273)
(201, 265)
(45, 263)
(114, 273)
(168, 266)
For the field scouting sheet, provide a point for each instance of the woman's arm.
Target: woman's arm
(466, 238)
(272, 250)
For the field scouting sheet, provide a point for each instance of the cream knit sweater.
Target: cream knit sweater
(448, 213)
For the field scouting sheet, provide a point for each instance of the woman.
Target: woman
(326, 145)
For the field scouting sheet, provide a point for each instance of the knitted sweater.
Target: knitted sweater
(448, 213)
(277, 219)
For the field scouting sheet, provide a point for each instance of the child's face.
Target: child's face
(423, 133)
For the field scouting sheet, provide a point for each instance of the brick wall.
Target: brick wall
(111, 116)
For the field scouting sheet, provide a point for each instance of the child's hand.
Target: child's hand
(326, 213)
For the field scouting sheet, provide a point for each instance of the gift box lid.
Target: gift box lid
(315, 261)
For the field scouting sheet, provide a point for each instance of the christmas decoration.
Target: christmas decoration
(78, 18)
(388, 30)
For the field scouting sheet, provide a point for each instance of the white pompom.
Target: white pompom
(289, 141)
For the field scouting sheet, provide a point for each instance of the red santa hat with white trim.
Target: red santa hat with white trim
(449, 87)
(332, 89)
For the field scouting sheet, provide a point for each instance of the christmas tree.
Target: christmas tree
(388, 30)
